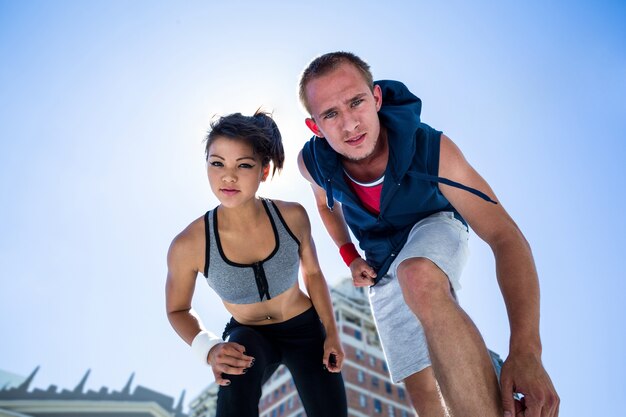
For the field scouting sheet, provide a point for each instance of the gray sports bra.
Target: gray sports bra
(238, 283)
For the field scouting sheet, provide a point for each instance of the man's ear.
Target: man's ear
(310, 123)
(378, 96)
(266, 172)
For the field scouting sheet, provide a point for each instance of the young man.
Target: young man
(408, 195)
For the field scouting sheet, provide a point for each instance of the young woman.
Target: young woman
(250, 249)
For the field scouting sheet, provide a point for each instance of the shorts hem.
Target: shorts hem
(408, 371)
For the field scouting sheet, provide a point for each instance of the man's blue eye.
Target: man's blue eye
(330, 115)
(357, 102)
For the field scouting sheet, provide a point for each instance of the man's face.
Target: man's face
(345, 111)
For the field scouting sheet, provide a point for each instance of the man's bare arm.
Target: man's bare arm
(516, 274)
(335, 224)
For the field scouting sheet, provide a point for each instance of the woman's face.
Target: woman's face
(234, 171)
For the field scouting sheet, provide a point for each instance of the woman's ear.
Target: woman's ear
(266, 172)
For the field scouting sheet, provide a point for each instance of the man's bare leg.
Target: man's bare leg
(458, 353)
(424, 393)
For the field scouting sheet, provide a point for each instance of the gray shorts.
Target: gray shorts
(442, 239)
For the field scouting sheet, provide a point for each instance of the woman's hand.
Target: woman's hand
(333, 353)
(228, 358)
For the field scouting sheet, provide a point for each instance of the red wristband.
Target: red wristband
(349, 253)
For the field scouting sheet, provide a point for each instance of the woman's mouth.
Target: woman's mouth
(229, 191)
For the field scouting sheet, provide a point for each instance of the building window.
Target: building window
(373, 361)
(362, 401)
(405, 414)
(392, 411)
(274, 413)
(357, 335)
(353, 320)
(283, 388)
(375, 381)
(359, 354)
(388, 387)
(290, 403)
(378, 407)
(385, 366)
(281, 409)
(401, 393)
(361, 376)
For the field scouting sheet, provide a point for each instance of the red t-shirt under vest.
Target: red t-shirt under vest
(368, 193)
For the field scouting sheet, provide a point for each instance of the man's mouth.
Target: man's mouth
(356, 140)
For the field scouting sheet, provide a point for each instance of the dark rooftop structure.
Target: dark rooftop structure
(52, 402)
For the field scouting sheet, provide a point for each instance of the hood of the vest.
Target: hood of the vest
(400, 115)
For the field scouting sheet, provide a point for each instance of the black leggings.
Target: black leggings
(299, 344)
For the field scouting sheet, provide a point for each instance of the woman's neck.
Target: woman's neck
(242, 216)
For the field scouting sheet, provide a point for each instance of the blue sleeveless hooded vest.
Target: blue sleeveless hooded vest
(410, 189)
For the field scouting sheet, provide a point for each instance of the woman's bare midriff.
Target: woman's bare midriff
(276, 310)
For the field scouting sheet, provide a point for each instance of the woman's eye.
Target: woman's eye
(216, 164)
(246, 166)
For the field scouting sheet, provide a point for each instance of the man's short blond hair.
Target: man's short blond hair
(326, 63)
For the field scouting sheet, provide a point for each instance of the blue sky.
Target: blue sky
(103, 107)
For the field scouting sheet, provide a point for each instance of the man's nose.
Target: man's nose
(350, 123)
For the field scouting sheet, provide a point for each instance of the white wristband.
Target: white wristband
(203, 343)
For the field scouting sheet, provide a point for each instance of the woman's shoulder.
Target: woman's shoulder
(191, 238)
(294, 215)
(289, 208)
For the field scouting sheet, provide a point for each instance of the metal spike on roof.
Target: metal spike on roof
(24, 385)
(179, 407)
(81, 385)
(126, 389)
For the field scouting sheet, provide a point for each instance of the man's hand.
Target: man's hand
(525, 374)
(362, 274)
(333, 354)
(228, 358)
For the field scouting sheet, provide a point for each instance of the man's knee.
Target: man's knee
(423, 284)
